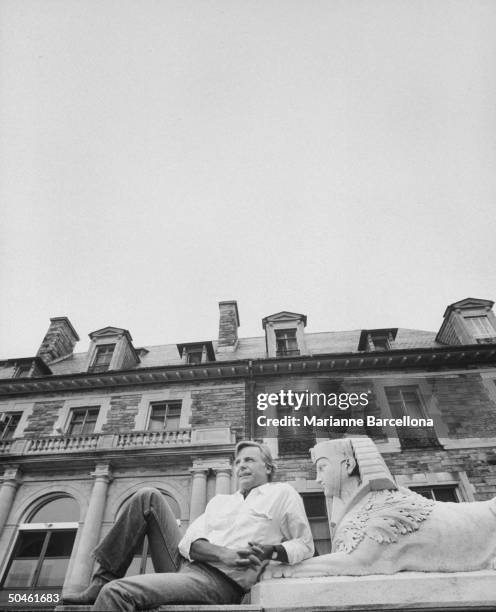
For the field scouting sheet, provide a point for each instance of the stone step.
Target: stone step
(182, 608)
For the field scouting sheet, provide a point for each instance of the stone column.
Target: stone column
(10, 483)
(198, 491)
(90, 531)
(222, 479)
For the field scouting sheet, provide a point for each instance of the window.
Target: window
(22, 370)
(315, 507)
(8, 424)
(377, 339)
(194, 356)
(83, 421)
(405, 401)
(293, 439)
(286, 343)
(445, 493)
(381, 343)
(164, 416)
(43, 548)
(102, 359)
(480, 327)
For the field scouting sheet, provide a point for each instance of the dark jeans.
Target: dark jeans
(175, 581)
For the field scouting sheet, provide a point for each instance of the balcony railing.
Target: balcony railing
(153, 438)
(97, 441)
(58, 444)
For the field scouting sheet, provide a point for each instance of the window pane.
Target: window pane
(83, 421)
(174, 410)
(444, 494)
(30, 544)
(172, 424)
(21, 573)
(479, 326)
(25, 559)
(194, 357)
(52, 572)
(62, 509)
(315, 505)
(60, 543)
(11, 420)
(56, 559)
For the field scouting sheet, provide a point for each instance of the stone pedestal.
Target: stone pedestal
(398, 592)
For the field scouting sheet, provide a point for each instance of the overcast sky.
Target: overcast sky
(334, 158)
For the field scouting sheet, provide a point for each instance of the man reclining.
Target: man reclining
(221, 555)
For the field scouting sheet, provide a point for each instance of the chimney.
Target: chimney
(228, 325)
(59, 341)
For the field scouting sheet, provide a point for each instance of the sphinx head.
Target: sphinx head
(336, 464)
(344, 465)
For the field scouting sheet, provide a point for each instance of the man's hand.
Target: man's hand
(203, 550)
(242, 557)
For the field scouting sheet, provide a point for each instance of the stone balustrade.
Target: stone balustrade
(58, 444)
(85, 443)
(153, 438)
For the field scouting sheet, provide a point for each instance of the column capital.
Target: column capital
(12, 475)
(222, 466)
(199, 471)
(103, 471)
(200, 465)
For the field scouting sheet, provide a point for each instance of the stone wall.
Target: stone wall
(220, 406)
(465, 405)
(122, 413)
(43, 418)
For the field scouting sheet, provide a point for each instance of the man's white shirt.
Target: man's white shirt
(272, 513)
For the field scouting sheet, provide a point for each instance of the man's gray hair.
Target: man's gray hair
(265, 452)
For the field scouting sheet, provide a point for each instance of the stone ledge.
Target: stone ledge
(394, 593)
(177, 608)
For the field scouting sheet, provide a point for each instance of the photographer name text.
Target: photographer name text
(306, 400)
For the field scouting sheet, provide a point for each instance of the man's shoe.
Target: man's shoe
(88, 596)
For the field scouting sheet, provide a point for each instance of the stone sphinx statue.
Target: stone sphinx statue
(380, 528)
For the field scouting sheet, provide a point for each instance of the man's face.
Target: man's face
(329, 474)
(250, 468)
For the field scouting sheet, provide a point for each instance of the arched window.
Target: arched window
(44, 545)
(142, 562)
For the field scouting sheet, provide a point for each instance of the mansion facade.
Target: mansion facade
(81, 432)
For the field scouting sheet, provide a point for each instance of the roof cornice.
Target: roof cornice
(477, 354)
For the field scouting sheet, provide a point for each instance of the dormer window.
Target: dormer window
(23, 370)
(194, 356)
(377, 339)
(286, 343)
(381, 343)
(469, 321)
(480, 327)
(103, 357)
(285, 334)
(111, 348)
(193, 353)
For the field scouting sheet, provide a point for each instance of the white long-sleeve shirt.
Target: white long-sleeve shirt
(272, 513)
